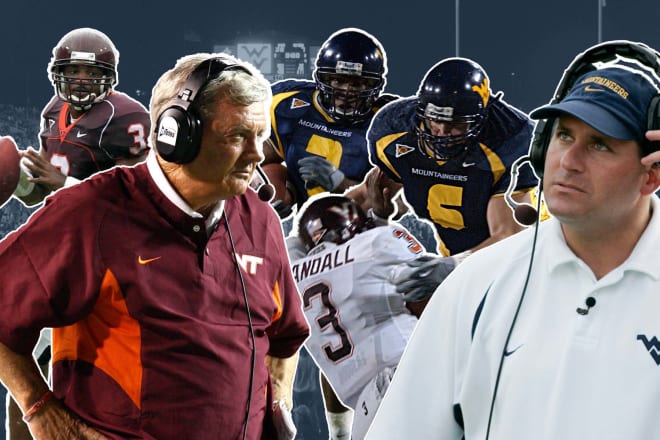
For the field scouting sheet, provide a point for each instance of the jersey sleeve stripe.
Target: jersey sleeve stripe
(381, 144)
(277, 100)
(320, 109)
(108, 338)
(277, 297)
(497, 167)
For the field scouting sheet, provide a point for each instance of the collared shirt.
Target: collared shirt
(151, 334)
(569, 371)
(164, 185)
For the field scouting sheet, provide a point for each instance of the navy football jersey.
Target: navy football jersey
(454, 194)
(301, 128)
(113, 129)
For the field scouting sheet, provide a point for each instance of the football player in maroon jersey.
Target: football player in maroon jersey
(87, 126)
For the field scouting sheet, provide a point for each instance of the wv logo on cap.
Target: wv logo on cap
(652, 346)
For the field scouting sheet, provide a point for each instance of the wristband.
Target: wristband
(36, 406)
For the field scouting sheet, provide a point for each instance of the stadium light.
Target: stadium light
(457, 24)
(601, 5)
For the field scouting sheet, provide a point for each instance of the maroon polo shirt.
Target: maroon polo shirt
(151, 337)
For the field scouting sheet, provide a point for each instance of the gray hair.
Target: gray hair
(235, 86)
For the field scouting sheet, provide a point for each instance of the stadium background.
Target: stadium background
(523, 45)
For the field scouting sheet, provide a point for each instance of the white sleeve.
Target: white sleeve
(295, 247)
(420, 401)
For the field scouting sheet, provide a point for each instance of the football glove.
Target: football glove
(422, 276)
(317, 171)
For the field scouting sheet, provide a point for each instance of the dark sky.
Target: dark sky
(524, 45)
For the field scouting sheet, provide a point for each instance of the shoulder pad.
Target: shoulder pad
(288, 85)
(383, 99)
(397, 116)
(503, 122)
(125, 104)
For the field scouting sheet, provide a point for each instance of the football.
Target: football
(277, 176)
(9, 168)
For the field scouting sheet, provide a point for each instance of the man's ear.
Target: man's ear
(652, 181)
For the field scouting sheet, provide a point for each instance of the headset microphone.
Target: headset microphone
(265, 190)
(523, 213)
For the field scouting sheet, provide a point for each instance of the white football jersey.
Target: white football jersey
(359, 323)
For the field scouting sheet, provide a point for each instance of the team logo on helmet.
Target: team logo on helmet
(483, 90)
(334, 219)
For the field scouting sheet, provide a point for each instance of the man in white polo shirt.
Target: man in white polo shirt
(553, 333)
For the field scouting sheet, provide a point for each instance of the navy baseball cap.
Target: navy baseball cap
(612, 100)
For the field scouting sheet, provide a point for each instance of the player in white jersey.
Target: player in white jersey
(359, 323)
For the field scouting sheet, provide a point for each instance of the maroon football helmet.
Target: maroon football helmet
(84, 47)
(336, 219)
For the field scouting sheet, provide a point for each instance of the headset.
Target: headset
(179, 126)
(582, 64)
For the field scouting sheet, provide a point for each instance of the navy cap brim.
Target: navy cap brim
(590, 113)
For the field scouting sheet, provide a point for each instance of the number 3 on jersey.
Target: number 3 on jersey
(140, 143)
(329, 318)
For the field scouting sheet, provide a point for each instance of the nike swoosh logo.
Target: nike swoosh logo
(80, 134)
(148, 260)
(591, 89)
(468, 164)
(510, 352)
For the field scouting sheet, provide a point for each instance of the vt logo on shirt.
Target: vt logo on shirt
(652, 346)
(249, 263)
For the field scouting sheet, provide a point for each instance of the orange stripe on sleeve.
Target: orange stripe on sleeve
(278, 301)
(109, 338)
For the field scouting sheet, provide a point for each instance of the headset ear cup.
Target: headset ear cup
(653, 123)
(178, 135)
(654, 114)
(539, 146)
